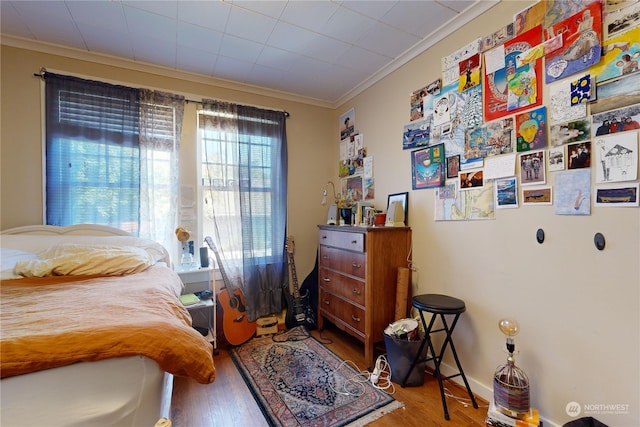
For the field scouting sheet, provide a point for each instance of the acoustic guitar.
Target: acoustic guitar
(237, 329)
(235, 325)
(299, 311)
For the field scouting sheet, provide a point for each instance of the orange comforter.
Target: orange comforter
(56, 321)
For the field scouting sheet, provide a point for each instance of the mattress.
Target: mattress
(131, 390)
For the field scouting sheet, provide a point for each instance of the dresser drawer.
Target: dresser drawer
(353, 263)
(346, 287)
(340, 239)
(340, 310)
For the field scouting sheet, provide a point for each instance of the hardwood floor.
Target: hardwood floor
(229, 402)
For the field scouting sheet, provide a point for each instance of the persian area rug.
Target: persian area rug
(297, 381)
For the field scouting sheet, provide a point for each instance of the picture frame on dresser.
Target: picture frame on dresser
(403, 199)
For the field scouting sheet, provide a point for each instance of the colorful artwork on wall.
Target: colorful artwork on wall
(428, 167)
(417, 134)
(531, 130)
(582, 43)
(581, 90)
(620, 55)
(528, 83)
(559, 103)
(464, 112)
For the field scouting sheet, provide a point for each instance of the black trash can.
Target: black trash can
(400, 355)
(584, 422)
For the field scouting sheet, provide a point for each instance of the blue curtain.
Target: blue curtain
(92, 153)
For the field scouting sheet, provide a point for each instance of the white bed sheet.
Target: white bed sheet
(124, 392)
(128, 392)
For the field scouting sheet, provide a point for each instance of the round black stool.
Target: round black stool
(439, 306)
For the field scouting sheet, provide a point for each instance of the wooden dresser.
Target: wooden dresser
(358, 269)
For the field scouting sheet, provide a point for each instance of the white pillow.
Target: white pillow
(83, 260)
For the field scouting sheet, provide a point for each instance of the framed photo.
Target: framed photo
(453, 166)
(427, 167)
(403, 198)
(537, 196)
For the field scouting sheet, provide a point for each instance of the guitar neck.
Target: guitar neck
(294, 277)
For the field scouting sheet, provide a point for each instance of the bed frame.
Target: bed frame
(96, 230)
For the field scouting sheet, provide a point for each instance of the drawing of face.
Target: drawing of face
(528, 130)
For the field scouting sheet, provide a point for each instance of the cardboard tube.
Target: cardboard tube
(402, 292)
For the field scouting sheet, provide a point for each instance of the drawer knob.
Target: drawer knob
(354, 318)
(355, 291)
(354, 242)
(326, 279)
(325, 257)
(326, 302)
(355, 265)
(324, 237)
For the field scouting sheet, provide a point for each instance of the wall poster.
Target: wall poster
(527, 89)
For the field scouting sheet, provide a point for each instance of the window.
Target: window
(242, 170)
(112, 156)
(92, 153)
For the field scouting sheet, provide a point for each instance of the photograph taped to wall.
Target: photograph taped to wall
(471, 179)
(352, 188)
(579, 155)
(506, 193)
(417, 134)
(556, 158)
(537, 196)
(532, 168)
(617, 93)
(570, 132)
(453, 166)
(621, 120)
(347, 123)
(616, 157)
(621, 20)
(615, 196)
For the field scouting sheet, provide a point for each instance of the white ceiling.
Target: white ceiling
(320, 50)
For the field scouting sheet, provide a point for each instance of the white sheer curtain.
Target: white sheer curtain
(245, 171)
(160, 130)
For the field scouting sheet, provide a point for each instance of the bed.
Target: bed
(89, 337)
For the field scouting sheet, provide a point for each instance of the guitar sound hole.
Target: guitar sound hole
(233, 302)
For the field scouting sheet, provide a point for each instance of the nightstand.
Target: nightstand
(203, 313)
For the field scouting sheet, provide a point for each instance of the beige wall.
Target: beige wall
(577, 307)
(309, 132)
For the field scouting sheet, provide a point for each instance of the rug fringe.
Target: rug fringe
(372, 416)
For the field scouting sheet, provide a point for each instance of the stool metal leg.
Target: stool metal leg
(460, 373)
(418, 357)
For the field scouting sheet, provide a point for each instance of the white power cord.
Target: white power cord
(380, 378)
